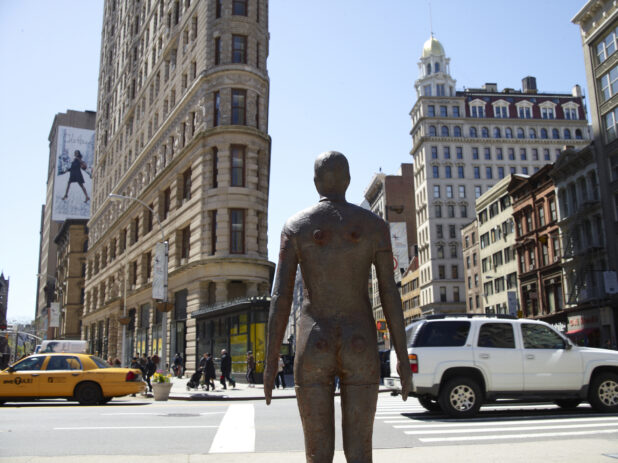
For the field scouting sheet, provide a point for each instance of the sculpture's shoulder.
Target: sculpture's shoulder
(301, 220)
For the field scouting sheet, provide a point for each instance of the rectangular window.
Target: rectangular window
(239, 49)
(500, 172)
(611, 123)
(460, 171)
(449, 191)
(431, 110)
(455, 111)
(447, 152)
(237, 167)
(462, 191)
(186, 184)
(237, 231)
(522, 154)
(459, 152)
(185, 242)
(436, 171)
(436, 191)
(217, 109)
(447, 172)
(477, 172)
(609, 84)
(167, 201)
(443, 111)
(487, 154)
(475, 153)
(434, 152)
(239, 7)
(217, 50)
(213, 232)
(239, 104)
(439, 231)
(477, 191)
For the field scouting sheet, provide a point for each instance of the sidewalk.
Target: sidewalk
(242, 391)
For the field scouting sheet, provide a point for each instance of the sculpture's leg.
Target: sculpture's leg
(358, 409)
(317, 413)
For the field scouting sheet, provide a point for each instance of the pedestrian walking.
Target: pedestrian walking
(151, 367)
(250, 369)
(178, 365)
(280, 378)
(208, 368)
(226, 369)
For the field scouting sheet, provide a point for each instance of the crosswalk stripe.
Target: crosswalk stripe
(494, 429)
(407, 424)
(514, 436)
(236, 432)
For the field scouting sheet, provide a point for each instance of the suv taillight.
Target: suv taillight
(413, 362)
(131, 376)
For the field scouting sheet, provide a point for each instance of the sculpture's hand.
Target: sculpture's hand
(405, 375)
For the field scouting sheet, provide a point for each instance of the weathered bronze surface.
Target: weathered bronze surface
(335, 243)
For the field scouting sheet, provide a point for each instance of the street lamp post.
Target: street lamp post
(159, 281)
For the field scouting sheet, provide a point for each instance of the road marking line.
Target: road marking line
(155, 413)
(89, 428)
(236, 432)
(514, 436)
(467, 424)
(510, 428)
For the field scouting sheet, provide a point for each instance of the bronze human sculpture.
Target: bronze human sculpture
(335, 243)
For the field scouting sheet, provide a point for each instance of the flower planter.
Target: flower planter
(161, 391)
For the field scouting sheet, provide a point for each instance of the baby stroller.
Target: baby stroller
(194, 382)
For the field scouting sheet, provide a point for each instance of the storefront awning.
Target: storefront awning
(581, 332)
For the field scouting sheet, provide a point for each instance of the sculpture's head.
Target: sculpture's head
(332, 175)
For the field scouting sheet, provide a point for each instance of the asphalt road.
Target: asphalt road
(135, 426)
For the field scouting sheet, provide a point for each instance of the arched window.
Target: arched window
(555, 134)
(567, 134)
(444, 131)
(520, 133)
(578, 134)
(457, 131)
(436, 67)
(428, 68)
(532, 133)
(432, 130)
(544, 133)
(497, 132)
(508, 132)
(473, 132)
(485, 132)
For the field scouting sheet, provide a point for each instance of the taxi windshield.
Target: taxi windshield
(30, 363)
(99, 362)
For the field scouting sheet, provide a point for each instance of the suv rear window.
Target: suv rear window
(442, 334)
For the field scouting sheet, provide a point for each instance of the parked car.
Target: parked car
(85, 378)
(460, 362)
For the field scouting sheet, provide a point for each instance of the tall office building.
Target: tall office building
(183, 132)
(463, 142)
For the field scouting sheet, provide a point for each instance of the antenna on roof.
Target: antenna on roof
(430, 19)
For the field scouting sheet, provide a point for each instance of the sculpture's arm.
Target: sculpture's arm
(279, 313)
(391, 305)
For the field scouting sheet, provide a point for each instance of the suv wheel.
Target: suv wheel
(460, 397)
(428, 404)
(603, 394)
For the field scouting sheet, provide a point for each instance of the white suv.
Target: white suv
(460, 362)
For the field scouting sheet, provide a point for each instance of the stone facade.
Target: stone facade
(463, 142)
(183, 129)
(496, 232)
(472, 267)
(598, 22)
(72, 244)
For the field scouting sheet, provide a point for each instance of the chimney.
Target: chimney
(528, 84)
(577, 91)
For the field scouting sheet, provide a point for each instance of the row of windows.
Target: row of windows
(508, 133)
(607, 46)
(498, 153)
(476, 170)
(501, 111)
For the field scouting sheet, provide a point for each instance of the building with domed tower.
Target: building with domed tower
(464, 142)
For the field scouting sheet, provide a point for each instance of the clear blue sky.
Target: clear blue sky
(342, 77)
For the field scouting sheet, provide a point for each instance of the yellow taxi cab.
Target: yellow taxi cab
(82, 377)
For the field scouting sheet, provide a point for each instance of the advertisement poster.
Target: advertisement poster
(399, 241)
(54, 315)
(73, 174)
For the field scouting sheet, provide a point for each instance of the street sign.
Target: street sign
(381, 325)
(159, 274)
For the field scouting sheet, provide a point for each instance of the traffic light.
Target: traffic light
(381, 325)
